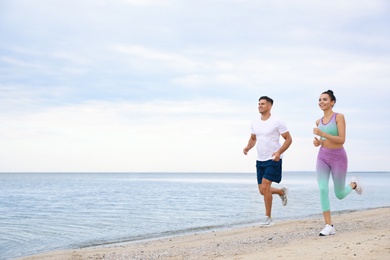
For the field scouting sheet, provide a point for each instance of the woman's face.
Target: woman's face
(325, 102)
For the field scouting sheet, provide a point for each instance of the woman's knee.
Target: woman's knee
(324, 191)
(340, 195)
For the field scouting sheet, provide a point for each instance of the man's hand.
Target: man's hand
(276, 157)
(246, 150)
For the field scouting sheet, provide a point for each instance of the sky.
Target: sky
(173, 85)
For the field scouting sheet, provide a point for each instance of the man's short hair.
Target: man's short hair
(268, 99)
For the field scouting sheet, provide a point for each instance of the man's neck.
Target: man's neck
(264, 117)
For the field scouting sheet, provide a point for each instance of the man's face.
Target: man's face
(264, 106)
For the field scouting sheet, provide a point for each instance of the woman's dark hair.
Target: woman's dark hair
(331, 95)
(267, 98)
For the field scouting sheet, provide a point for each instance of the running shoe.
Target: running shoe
(267, 222)
(328, 230)
(359, 188)
(284, 196)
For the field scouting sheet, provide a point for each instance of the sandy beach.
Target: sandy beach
(359, 235)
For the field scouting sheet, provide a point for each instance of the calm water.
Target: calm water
(41, 212)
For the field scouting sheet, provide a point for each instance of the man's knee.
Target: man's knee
(265, 186)
(261, 189)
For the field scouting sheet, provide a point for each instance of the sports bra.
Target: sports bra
(330, 127)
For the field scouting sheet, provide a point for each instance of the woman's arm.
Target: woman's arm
(341, 127)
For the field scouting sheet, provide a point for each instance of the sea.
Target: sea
(42, 212)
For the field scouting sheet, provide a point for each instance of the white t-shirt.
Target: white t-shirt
(267, 134)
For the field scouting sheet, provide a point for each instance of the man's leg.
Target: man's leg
(267, 193)
(280, 192)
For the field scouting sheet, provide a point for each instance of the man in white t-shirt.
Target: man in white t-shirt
(266, 131)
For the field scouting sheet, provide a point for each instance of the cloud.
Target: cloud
(146, 2)
(114, 85)
(172, 60)
(126, 133)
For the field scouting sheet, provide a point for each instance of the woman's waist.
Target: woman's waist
(330, 145)
(334, 148)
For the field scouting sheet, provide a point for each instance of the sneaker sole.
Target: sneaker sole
(322, 235)
(285, 189)
(265, 226)
(359, 188)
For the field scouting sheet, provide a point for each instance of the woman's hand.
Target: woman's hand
(317, 131)
(316, 142)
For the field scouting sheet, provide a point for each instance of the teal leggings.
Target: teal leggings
(335, 162)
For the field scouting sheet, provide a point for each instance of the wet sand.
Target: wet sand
(359, 235)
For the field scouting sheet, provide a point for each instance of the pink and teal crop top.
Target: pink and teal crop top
(330, 127)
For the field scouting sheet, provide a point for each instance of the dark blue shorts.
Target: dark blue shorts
(269, 170)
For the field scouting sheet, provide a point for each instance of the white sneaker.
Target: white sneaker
(328, 230)
(267, 222)
(284, 196)
(359, 188)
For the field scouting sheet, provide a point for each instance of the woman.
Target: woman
(332, 158)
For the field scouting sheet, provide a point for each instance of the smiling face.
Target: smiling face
(325, 102)
(264, 106)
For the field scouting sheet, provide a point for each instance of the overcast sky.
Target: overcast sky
(173, 85)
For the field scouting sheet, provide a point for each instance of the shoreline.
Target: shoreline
(359, 234)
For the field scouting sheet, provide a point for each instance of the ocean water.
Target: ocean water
(41, 212)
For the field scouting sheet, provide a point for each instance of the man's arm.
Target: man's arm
(251, 143)
(286, 144)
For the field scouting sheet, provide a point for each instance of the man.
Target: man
(266, 131)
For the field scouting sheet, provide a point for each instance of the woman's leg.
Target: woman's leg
(339, 167)
(323, 173)
(327, 217)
